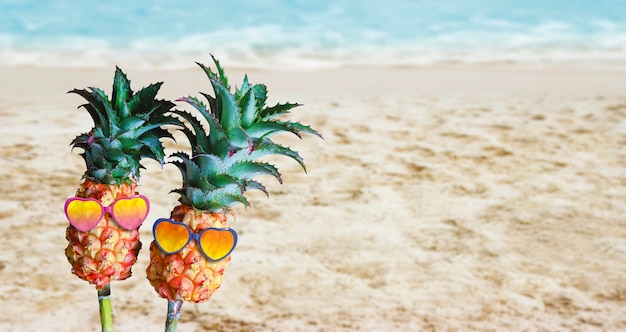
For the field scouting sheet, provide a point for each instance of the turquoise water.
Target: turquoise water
(287, 34)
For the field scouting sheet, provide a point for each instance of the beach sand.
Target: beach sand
(444, 198)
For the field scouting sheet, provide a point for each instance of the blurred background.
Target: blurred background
(310, 34)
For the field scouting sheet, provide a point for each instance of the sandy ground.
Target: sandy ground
(450, 198)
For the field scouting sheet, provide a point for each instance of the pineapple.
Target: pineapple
(127, 128)
(216, 174)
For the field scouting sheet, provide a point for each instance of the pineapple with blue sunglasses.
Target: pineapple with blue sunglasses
(192, 247)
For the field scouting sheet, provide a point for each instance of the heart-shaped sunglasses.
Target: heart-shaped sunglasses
(172, 236)
(85, 213)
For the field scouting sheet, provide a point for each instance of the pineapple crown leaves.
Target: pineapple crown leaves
(127, 128)
(224, 162)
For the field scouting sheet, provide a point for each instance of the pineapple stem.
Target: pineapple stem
(106, 312)
(174, 309)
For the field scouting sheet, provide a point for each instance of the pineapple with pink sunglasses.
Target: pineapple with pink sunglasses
(106, 212)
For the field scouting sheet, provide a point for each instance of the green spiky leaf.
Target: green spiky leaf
(248, 109)
(121, 93)
(144, 99)
(114, 155)
(245, 88)
(265, 129)
(270, 113)
(95, 109)
(247, 170)
(131, 123)
(192, 171)
(221, 75)
(260, 93)
(111, 114)
(230, 113)
(254, 185)
(267, 148)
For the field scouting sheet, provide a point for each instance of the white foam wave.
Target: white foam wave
(270, 47)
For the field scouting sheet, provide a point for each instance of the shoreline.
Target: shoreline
(442, 79)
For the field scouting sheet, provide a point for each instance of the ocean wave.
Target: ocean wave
(271, 47)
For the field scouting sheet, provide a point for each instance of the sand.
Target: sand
(447, 198)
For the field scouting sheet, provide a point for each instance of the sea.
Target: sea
(296, 34)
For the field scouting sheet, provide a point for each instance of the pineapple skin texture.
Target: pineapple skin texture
(107, 252)
(187, 275)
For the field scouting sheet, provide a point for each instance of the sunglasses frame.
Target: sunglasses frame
(193, 236)
(106, 209)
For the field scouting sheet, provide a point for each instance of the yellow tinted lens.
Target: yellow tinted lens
(217, 243)
(130, 212)
(171, 237)
(84, 215)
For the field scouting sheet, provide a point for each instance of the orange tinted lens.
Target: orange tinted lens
(130, 212)
(171, 237)
(217, 243)
(83, 214)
